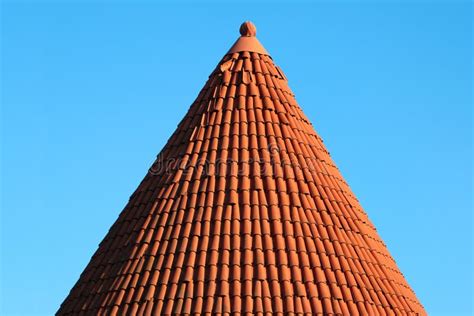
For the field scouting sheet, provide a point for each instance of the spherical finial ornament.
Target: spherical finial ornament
(248, 29)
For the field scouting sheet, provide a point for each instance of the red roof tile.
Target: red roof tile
(244, 211)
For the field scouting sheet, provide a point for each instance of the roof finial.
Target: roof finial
(248, 29)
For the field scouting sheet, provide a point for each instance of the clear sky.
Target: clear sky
(91, 93)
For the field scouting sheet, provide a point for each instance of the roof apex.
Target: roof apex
(247, 42)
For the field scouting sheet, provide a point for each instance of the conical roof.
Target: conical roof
(243, 212)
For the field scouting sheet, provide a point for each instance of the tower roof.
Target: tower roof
(244, 211)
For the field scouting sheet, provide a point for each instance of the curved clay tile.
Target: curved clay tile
(244, 212)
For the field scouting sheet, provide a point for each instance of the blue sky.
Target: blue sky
(92, 91)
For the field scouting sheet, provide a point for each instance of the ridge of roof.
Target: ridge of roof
(248, 41)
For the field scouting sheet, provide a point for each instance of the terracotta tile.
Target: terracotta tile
(251, 217)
